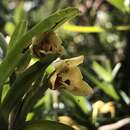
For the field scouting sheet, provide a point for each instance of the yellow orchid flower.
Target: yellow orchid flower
(67, 75)
(96, 109)
(46, 43)
(109, 108)
(101, 108)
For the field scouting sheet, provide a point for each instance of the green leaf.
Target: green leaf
(36, 93)
(125, 97)
(19, 13)
(24, 61)
(5, 90)
(116, 69)
(119, 4)
(19, 31)
(91, 29)
(46, 101)
(107, 88)
(80, 101)
(30, 116)
(45, 125)
(83, 103)
(51, 23)
(23, 83)
(83, 29)
(102, 72)
(72, 103)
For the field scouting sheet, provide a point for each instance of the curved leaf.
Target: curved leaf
(119, 4)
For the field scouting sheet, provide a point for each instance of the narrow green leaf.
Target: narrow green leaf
(107, 88)
(35, 94)
(83, 103)
(102, 72)
(72, 102)
(30, 116)
(80, 100)
(19, 13)
(125, 97)
(4, 92)
(91, 29)
(46, 100)
(116, 69)
(19, 31)
(119, 4)
(23, 83)
(24, 61)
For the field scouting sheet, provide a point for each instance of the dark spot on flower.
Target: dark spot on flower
(58, 82)
(67, 82)
(65, 70)
(50, 48)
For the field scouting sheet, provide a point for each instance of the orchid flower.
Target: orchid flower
(68, 76)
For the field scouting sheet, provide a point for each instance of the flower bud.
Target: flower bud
(101, 108)
(46, 43)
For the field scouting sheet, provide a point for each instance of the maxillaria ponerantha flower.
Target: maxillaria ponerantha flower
(67, 76)
(102, 108)
(46, 43)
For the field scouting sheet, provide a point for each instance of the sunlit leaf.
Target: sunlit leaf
(79, 100)
(19, 31)
(5, 90)
(19, 12)
(118, 4)
(29, 116)
(102, 72)
(85, 29)
(125, 97)
(116, 69)
(91, 29)
(83, 103)
(46, 100)
(106, 87)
